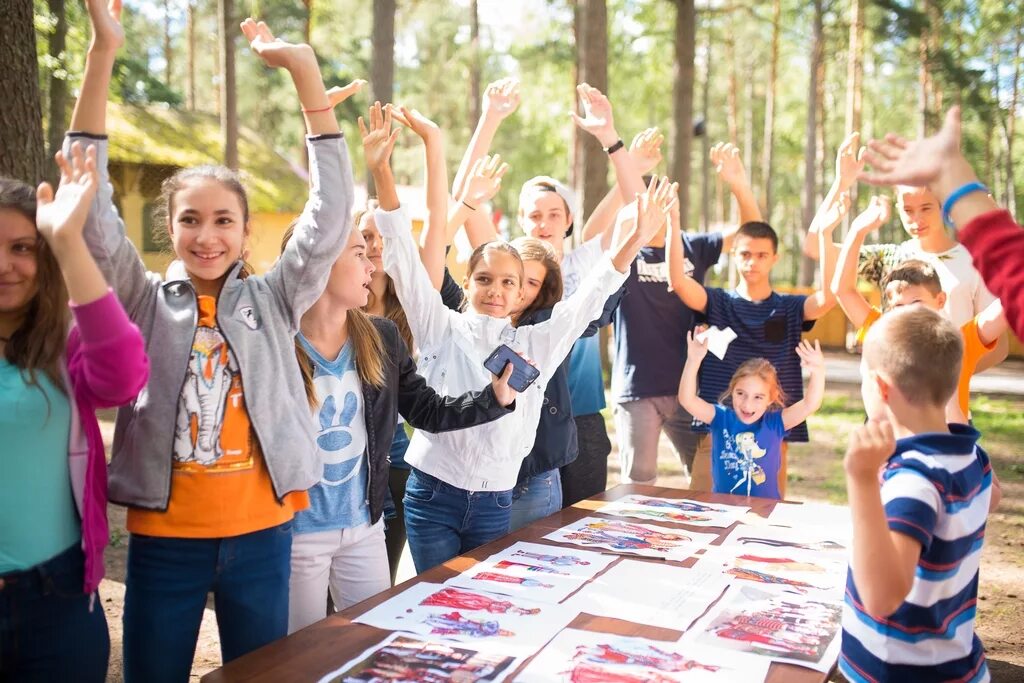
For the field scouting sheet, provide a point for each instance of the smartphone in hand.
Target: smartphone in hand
(523, 374)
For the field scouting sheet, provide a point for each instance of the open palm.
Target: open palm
(63, 215)
(275, 53)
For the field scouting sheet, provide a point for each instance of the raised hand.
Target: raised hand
(725, 157)
(895, 161)
(340, 93)
(653, 207)
(416, 122)
(61, 216)
(275, 52)
(105, 17)
(379, 140)
(876, 215)
(696, 349)
(811, 356)
(850, 160)
(501, 98)
(483, 182)
(871, 445)
(646, 150)
(829, 216)
(597, 119)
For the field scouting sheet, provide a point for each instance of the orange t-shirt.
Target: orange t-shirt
(220, 485)
(974, 349)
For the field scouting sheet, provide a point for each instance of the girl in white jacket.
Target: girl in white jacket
(459, 494)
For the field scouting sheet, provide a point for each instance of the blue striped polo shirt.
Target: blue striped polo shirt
(936, 489)
(767, 329)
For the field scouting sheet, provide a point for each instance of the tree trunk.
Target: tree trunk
(814, 90)
(592, 54)
(734, 109)
(748, 122)
(307, 28)
(22, 151)
(682, 101)
(1011, 125)
(228, 93)
(190, 42)
(382, 60)
(705, 167)
(168, 51)
(475, 69)
(58, 84)
(769, 113)
(854, 76)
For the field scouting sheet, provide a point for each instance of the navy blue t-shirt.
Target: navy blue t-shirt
(746, 458)
(767, 329)
(651, 322)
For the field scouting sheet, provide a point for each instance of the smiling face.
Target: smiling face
(920, 212)
(534, 273)
(494, 287)
(19, 247)
(349, 283)
(899, 294)
(208, 230)
(374, 242)
(751, 397)
(543, 215)
(755, 257)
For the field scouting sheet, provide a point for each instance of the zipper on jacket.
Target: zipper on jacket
(184, 378)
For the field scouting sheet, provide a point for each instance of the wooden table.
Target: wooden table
(321, 648)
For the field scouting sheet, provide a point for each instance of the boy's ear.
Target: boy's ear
(940, 299)
(884, 388)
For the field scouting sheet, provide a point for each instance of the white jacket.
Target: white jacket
(453, 347)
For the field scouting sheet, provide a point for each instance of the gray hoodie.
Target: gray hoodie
(258, 316)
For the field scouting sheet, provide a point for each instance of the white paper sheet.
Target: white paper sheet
(576, 655)
(833, 517)
(632, 538)
(512, 624)
(402, 658)
(650, 593)
(803, 573)
(676, 510)
(718, 340)
(775, 539)
(778, 626)
(539, 572)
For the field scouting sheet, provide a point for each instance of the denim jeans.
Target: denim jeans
(444, 521)
(168, 581)
(539, 497)
(49, 629)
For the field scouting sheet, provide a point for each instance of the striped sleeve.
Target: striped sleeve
(912, 504)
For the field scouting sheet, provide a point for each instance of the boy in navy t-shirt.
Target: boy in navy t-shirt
(767, 325)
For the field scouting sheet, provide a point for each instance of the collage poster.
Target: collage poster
(675, 510)
(632, 538)
(800, 573)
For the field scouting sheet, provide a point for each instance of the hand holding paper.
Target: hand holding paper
(717, 340)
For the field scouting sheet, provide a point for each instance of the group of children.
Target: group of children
(260, 448)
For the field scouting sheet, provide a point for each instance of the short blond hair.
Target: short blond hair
(919, 352)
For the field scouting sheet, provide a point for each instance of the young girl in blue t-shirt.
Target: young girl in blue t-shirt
(748, 426)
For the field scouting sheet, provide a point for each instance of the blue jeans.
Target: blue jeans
(168, 581)
(49, 629)
(538, 497)
(444, 521)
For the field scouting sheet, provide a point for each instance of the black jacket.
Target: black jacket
(406, 392)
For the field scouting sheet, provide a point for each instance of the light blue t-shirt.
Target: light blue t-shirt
(38, 519)
(339, 500)
(745, 458)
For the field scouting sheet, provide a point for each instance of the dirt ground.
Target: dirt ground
(815, 474)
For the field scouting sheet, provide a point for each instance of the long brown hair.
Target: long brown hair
(370, 353)
(762, 369)
(393, 310)
(533, 249)
(39, 342)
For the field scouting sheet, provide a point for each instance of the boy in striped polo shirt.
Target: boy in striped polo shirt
(912, 586)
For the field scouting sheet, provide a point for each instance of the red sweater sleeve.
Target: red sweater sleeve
(996, 244)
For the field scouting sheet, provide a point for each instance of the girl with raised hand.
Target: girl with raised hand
(57, 366)
(460, 491)
(751, 418)
(215, 456)
(359, 377)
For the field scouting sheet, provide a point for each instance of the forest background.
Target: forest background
(783, 79)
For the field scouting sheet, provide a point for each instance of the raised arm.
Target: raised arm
(300, 275)
(433, 239)
(850, 160)
(480, 187)
(696, 351)
(599, 122)
(689, 291)
(646, 152)
(812, 359)
(728, 164)
(844, 283)
(501, 99)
